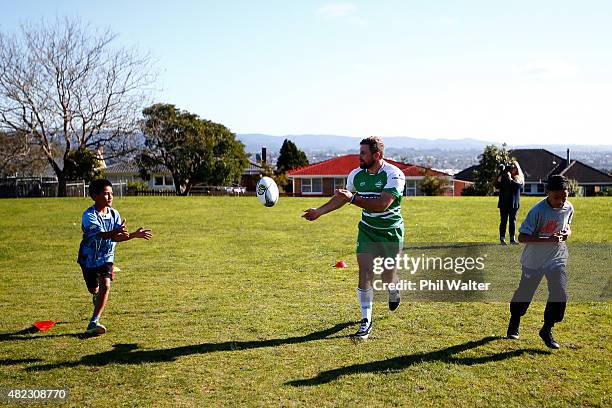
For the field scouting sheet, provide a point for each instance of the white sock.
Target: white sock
(365, 297)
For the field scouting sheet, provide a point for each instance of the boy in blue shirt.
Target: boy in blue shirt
(102, 229)
(544, 233)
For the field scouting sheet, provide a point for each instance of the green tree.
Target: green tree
(488, 170)
(573, 188)
(430, 184)
(290, 157)
(433, 186)
(83, 164)
(468, 191)
(194, 150)
(280, 178)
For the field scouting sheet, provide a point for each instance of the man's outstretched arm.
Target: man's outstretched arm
(338, 200)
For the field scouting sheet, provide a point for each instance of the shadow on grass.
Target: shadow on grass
(403, 362)
(29, 334)
(129, 353)
(15, 361)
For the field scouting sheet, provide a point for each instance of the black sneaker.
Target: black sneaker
(513, 242)
(513, 328)
(503, 242)
(365, 328)
(547, 337)
(394, 300)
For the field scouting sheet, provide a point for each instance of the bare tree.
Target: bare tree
(65, 86)
(17, 156)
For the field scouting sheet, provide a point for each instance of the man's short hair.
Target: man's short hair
(96, 186)
(557, 182)
(375, 144)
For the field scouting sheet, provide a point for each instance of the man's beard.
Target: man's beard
(365, 165)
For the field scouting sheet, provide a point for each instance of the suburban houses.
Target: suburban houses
(322, 178)
(538, 164)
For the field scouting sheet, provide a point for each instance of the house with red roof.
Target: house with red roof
(323, 178)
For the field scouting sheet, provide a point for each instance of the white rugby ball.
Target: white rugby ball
(267, 191)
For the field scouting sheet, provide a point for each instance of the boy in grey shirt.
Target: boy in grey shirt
(544, 233)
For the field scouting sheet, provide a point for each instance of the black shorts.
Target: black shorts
(91, 275)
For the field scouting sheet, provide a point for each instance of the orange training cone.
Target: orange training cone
(341, 264)
(44, 325)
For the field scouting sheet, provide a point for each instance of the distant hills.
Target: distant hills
(254, 141)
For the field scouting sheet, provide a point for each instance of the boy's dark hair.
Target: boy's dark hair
(96, 186)
(557, 182)
(375, 144)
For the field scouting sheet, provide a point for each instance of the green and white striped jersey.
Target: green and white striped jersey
(389, 179)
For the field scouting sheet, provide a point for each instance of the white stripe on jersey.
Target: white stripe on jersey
(396, 225)
(383, 214)
(389, 216)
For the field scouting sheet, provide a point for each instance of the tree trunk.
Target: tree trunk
(184, 190)
(61, 185)
(177, 185)
(187, 189)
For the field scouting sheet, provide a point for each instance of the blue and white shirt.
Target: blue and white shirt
(96, 251)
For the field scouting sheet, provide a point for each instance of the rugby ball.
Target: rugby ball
(267, 191)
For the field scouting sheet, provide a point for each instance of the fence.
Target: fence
(219, 191)
(150, 192)
(41, 187)
(81, 189)
(28, 187)
(45, 187)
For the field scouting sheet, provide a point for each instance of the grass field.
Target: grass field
(235, 304)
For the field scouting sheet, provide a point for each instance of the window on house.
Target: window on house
(312, 185)
(159, 180)
(339, 182)
(540, 188)
(169, 181)
(411, 188)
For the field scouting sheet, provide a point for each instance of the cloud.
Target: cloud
(548, 68)
(336, 10)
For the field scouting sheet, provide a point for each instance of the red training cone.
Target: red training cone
(44, 325)
(341, 264)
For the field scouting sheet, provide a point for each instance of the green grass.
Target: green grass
(235, 304)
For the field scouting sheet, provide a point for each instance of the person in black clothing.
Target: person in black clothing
(509, 182)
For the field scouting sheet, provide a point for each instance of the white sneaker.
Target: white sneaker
(95, 328)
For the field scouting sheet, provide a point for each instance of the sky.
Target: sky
(521, 72)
